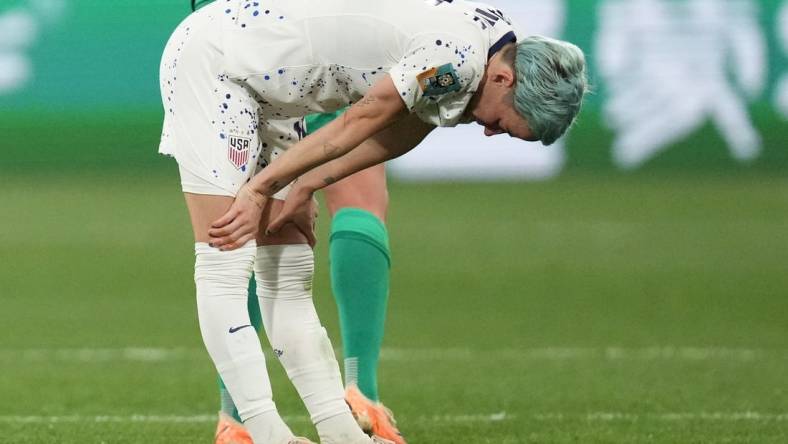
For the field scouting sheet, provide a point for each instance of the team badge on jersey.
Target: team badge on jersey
(440, 80)
(238, 151)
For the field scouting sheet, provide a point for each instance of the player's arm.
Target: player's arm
(394, 141)
(378, 109)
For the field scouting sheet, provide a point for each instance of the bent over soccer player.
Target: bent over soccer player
(236, 70)
(360, 261)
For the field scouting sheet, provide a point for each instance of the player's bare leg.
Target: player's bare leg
(365, 190)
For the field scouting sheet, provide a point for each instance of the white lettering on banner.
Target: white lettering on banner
(669, 66)
(19, 30)
(464, 153)
(781, 92)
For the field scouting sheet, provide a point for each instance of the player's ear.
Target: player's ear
(503, 75)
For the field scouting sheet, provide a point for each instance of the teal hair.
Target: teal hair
(551, 84)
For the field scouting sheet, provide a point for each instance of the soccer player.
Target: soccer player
(236, 70)
(360, 261)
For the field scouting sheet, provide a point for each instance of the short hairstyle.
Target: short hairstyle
(551, 83)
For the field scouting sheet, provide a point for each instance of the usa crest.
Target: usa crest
(238, 151)
(440, 80)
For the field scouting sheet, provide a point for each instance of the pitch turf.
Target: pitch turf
(589, 309)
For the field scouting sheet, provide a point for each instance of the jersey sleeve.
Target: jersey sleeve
(437, 78)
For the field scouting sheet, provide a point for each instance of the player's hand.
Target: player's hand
(240, 223)
(299, 209)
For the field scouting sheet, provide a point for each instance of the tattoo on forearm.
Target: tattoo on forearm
(329, 180)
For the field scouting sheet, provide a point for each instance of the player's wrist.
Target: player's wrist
(266, 185)
(303, 185)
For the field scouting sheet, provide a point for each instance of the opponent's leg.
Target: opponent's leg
(360, 261)
(360, 264)
(284, 269)
(221, 278)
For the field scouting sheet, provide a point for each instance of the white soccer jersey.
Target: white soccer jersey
(305, 56)
(237, 76)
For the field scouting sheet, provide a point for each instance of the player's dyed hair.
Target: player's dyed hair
(551, 82)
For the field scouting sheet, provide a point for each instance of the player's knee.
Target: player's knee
(285, 271)
(376, 204)
(219, 274)
(346, 193)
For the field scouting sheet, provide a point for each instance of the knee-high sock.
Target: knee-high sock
(221, 279)
(253, 305)
(360, 261)
(284, 283)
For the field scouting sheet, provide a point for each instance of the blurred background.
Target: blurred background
(628, 283)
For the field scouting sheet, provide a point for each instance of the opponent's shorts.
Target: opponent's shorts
(212, 125)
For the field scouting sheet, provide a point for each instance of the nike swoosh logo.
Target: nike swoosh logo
(235, 329)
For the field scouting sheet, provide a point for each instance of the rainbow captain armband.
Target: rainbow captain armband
(439, 81)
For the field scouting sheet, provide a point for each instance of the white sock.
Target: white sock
(284, 286)
(268, 428)
(222, 279)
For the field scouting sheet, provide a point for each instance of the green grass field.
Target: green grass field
(595, 308)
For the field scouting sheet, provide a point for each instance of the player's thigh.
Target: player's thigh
(204, 209)
(289, 234)
(365, 190)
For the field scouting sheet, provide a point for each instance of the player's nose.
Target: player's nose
(492, 132)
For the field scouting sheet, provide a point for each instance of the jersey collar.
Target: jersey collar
(509, 37)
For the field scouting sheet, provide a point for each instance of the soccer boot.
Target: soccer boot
(230, 431)
(373, 417)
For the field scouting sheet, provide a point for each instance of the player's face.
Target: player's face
(493, 105)
(501, 118)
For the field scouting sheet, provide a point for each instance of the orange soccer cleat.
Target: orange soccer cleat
(230, 431)
(373, 417)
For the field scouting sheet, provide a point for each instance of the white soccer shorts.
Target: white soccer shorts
(212, 125)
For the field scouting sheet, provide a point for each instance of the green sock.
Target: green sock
(360, 261)
(256, 318)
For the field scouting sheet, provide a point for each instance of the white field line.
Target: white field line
(595, 417)
(666, 417)
(115, 419)
(148, 354)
